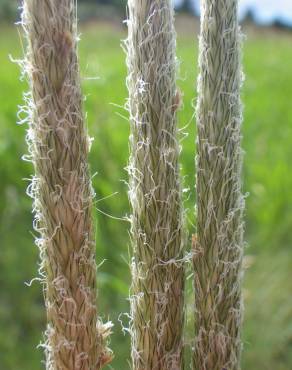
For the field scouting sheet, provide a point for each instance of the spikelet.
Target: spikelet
(218, 246)
(61, 188)
(157, 292)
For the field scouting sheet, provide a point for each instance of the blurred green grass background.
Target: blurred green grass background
(267, 130)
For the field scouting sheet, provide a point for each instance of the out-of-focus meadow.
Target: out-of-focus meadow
(267, 130)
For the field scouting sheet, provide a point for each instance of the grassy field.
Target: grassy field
(267, 143)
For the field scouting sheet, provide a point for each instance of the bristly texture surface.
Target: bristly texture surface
(218, 247)
(61, 188)
(157, 312)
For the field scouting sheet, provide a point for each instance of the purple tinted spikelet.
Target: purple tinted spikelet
(61, 188)
(157, 292)
(218, 246)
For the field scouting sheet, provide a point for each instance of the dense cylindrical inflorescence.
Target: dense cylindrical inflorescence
(157, 291)
(61, 187)
(218, 245)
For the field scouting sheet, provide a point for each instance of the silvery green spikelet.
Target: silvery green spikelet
(218, 245)
(157, 292)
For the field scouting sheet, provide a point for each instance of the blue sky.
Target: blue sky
(264, 11)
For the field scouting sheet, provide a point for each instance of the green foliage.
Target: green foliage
(267, 167)
(118, 3)
(87, 9)
(8, 9)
